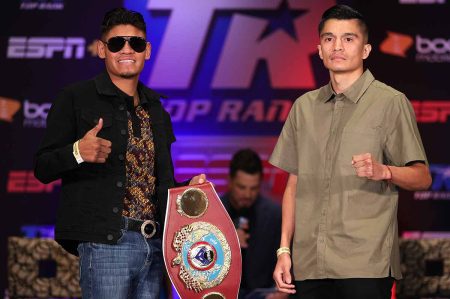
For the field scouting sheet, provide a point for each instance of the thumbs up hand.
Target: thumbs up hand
(92, 148)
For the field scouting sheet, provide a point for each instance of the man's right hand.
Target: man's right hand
(282, 274)
(92, 148)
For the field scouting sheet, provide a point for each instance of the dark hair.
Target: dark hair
(246, 160)
(122, 16)
(344, 12)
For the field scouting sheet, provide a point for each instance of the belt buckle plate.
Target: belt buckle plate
(144, 224)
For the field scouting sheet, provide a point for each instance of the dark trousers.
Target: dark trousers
(352, 288)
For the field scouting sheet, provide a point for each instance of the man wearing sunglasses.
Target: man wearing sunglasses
(109, 141)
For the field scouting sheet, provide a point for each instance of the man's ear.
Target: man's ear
(319, 48)
(101, 49)
(366, 50)
(148, 51)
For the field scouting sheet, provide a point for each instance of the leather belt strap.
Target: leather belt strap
(148, 228)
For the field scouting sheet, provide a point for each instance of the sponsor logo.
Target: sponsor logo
(231, 111)
(422, 1)
(238, 62)
(431, 111)
(431, 50)
(42, 4)
(22, 47)
(253, 34)
(420, 235)
(8, 108)
(440, 188)
(35, 115)
(396, 44)
(23, 181)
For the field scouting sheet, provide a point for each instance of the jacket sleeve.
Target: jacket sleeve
(54, 156)
(171, 139)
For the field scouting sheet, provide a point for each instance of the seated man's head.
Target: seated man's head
(246, 173)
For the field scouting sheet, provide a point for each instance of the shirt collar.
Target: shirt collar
(353, 93)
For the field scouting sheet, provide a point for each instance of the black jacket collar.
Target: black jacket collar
(105, 86)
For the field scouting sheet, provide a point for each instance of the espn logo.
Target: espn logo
(431, 111)
(23, 181)
(22, 47)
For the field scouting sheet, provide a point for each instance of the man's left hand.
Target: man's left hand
(368, 167)
(198, 179)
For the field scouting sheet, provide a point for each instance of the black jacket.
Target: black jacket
(91, 193)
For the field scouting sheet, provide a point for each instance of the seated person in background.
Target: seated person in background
(258, 223)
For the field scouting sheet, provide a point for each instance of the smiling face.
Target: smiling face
(126, 63)
(343, 46)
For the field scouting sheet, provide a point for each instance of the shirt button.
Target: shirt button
(119, 184)
(115, 210)
(121, 157)
(122, 107)
(123, 132)
(109, 237)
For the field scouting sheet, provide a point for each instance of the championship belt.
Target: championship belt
(200, 245)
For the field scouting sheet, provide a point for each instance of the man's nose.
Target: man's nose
(337, 45)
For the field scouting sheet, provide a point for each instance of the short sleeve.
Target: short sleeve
(285, 154)
(403, 142)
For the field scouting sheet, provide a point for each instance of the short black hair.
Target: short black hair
(246, 160)
(344, 12)
(122, 16)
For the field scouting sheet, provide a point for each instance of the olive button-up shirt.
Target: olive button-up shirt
(345, 225)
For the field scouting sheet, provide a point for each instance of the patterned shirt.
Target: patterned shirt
(140, 164)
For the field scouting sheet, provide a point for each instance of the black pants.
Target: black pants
(352, 288)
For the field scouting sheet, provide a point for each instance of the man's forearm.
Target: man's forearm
(414, 177)
(288, 212)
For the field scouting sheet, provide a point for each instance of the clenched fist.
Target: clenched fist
(368, 167)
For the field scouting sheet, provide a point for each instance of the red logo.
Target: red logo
(396, 44)
(23, 181)
(431, 111)
(8, 108)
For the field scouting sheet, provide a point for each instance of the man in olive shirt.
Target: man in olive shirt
(347, 147)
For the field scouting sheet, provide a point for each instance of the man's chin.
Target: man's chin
(128, 75)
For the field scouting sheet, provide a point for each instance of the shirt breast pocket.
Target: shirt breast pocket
(89, 119)
(359, 141)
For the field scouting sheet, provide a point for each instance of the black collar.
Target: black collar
(106, 87)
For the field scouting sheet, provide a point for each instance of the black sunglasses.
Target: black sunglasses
(116, 43)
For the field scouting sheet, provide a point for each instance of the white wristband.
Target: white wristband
(76, 153)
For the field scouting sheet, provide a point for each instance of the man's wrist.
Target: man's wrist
(282, 250)
(76, 152)
(388, 176)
